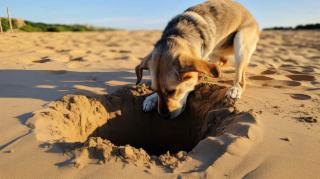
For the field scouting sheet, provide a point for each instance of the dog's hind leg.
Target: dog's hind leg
(150, 102)
(221, 57)
(245, 43)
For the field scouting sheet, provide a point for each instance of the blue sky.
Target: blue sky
(152, 14)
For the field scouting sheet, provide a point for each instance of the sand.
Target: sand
(274, 133)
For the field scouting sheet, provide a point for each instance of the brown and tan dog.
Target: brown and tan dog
(215, 29)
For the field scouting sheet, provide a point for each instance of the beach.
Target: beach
(283, 95)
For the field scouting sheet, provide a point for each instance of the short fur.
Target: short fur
(215, 29)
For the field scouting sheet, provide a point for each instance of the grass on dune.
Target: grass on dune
(28, 26)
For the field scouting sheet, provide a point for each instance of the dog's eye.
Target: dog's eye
(171, 92)
(187, 77)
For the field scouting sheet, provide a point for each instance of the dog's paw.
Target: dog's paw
(234, 92)
(150, 102)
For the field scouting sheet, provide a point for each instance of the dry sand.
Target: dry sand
(277, 137)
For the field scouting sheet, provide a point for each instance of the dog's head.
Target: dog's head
(173, 78)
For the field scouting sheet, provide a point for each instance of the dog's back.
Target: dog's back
(210, 24)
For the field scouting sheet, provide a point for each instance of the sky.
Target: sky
(152, 14)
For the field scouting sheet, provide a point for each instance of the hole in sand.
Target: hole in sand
(111, 124)
(122, 121)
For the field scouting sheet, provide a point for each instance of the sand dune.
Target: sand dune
(281, 106)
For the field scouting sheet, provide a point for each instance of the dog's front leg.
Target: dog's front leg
(150, 102)
(245, 44)
(238, 87)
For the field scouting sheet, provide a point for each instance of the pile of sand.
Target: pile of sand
(114, 126)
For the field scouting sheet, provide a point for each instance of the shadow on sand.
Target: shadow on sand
(51, 85)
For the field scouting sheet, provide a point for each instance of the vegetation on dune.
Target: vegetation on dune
(299, 27)
(28, 26)
(309, 27)
(5, 24)
(42, 27)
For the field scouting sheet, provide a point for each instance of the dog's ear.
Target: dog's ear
(144, 65)
(188, 64)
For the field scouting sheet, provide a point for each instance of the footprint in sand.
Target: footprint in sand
(229, 71)
(50, 47)
(260, 78)
(317, 57)
(124, 51)
(128, 57)
(77, 59)
(301, 77)
(294, 71)
(291, 61)
(113, 45)
(307, 119)
(286, 66)
(63, 51)
(43, 60)
(253, 65)
(313, 89)
(269, 72)
(308, 69)
(282, 83)
(316, 84)
(268, 81)
(300, 96)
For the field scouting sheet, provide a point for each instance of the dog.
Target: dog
(211, 31)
